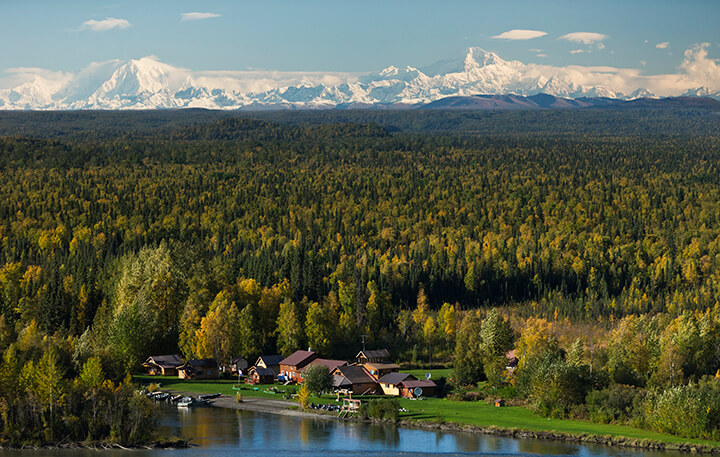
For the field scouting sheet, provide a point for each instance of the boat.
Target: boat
(187, 402)
(209, 396)
(161, 396)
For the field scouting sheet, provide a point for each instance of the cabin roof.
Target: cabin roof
(330, 364)
(341, 381)
(395, 378)
(374, 354)
(383, 366)
(199, 363)
(262, 371)
(237, 359)
(165, 361)
(270, 360)
(297, 358)
(355, 374)
(417, 383)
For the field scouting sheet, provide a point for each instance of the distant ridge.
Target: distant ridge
(546, 101)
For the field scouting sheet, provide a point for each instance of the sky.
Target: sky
(352, 35)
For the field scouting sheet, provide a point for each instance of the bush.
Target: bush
(556, 386)
(382, 409)
(612, 404)
(692, 410)
(317, 379)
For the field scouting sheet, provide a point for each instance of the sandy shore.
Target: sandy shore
(261, 405)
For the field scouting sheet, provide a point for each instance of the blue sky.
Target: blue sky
(353, 36)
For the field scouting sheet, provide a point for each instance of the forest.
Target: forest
(595, 256)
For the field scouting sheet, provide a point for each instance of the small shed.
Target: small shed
(417, 388)
(162, 364)
(499, 402)
(198, 369)
(257, 375)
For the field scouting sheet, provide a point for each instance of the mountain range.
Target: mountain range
(466, 81)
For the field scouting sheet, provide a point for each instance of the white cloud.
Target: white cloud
(106, 24)
(519, 34)
(584, 37)
(663, 45)
(197, 16)
(541, 55)
(577, 51)
(536, 50)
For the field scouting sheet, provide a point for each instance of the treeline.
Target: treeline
(49, 398)
(250, 237)
(656, 372)
(682, 119)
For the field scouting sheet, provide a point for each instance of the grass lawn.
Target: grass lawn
(430, 409)
(485, 415)
(435, 374)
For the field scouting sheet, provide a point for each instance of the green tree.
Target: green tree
(319, 329)
(468, 365)
(289, 328)
(317, 379)
(92, 375)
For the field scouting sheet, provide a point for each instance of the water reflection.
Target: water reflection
(230, 433)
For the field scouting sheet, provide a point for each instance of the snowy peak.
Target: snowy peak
(478, 58)
(147, 83)
(142, 76)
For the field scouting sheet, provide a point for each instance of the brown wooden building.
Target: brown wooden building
(198, 369)
(389, 382)
(239, 365)
(258, 375)
(411, 388)
(355, 379)
(375, 355)
(330, 364)
(378, 369)
(162, 364)
(291, 366)
(270, 361)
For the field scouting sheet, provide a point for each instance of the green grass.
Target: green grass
(430, 409)
(435, 373)
(486, 415)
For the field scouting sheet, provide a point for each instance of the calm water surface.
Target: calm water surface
(225, 432)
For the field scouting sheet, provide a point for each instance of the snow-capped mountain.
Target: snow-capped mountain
(148, 83)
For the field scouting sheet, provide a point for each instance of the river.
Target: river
(225, 432)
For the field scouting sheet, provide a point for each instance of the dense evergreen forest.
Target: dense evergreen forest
(124, 235)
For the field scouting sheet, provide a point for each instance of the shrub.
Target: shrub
(304, 396)
(382, 409)
(612, 404)
(318, 379)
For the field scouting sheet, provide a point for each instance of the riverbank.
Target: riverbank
(166, 444)
(475, 417)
